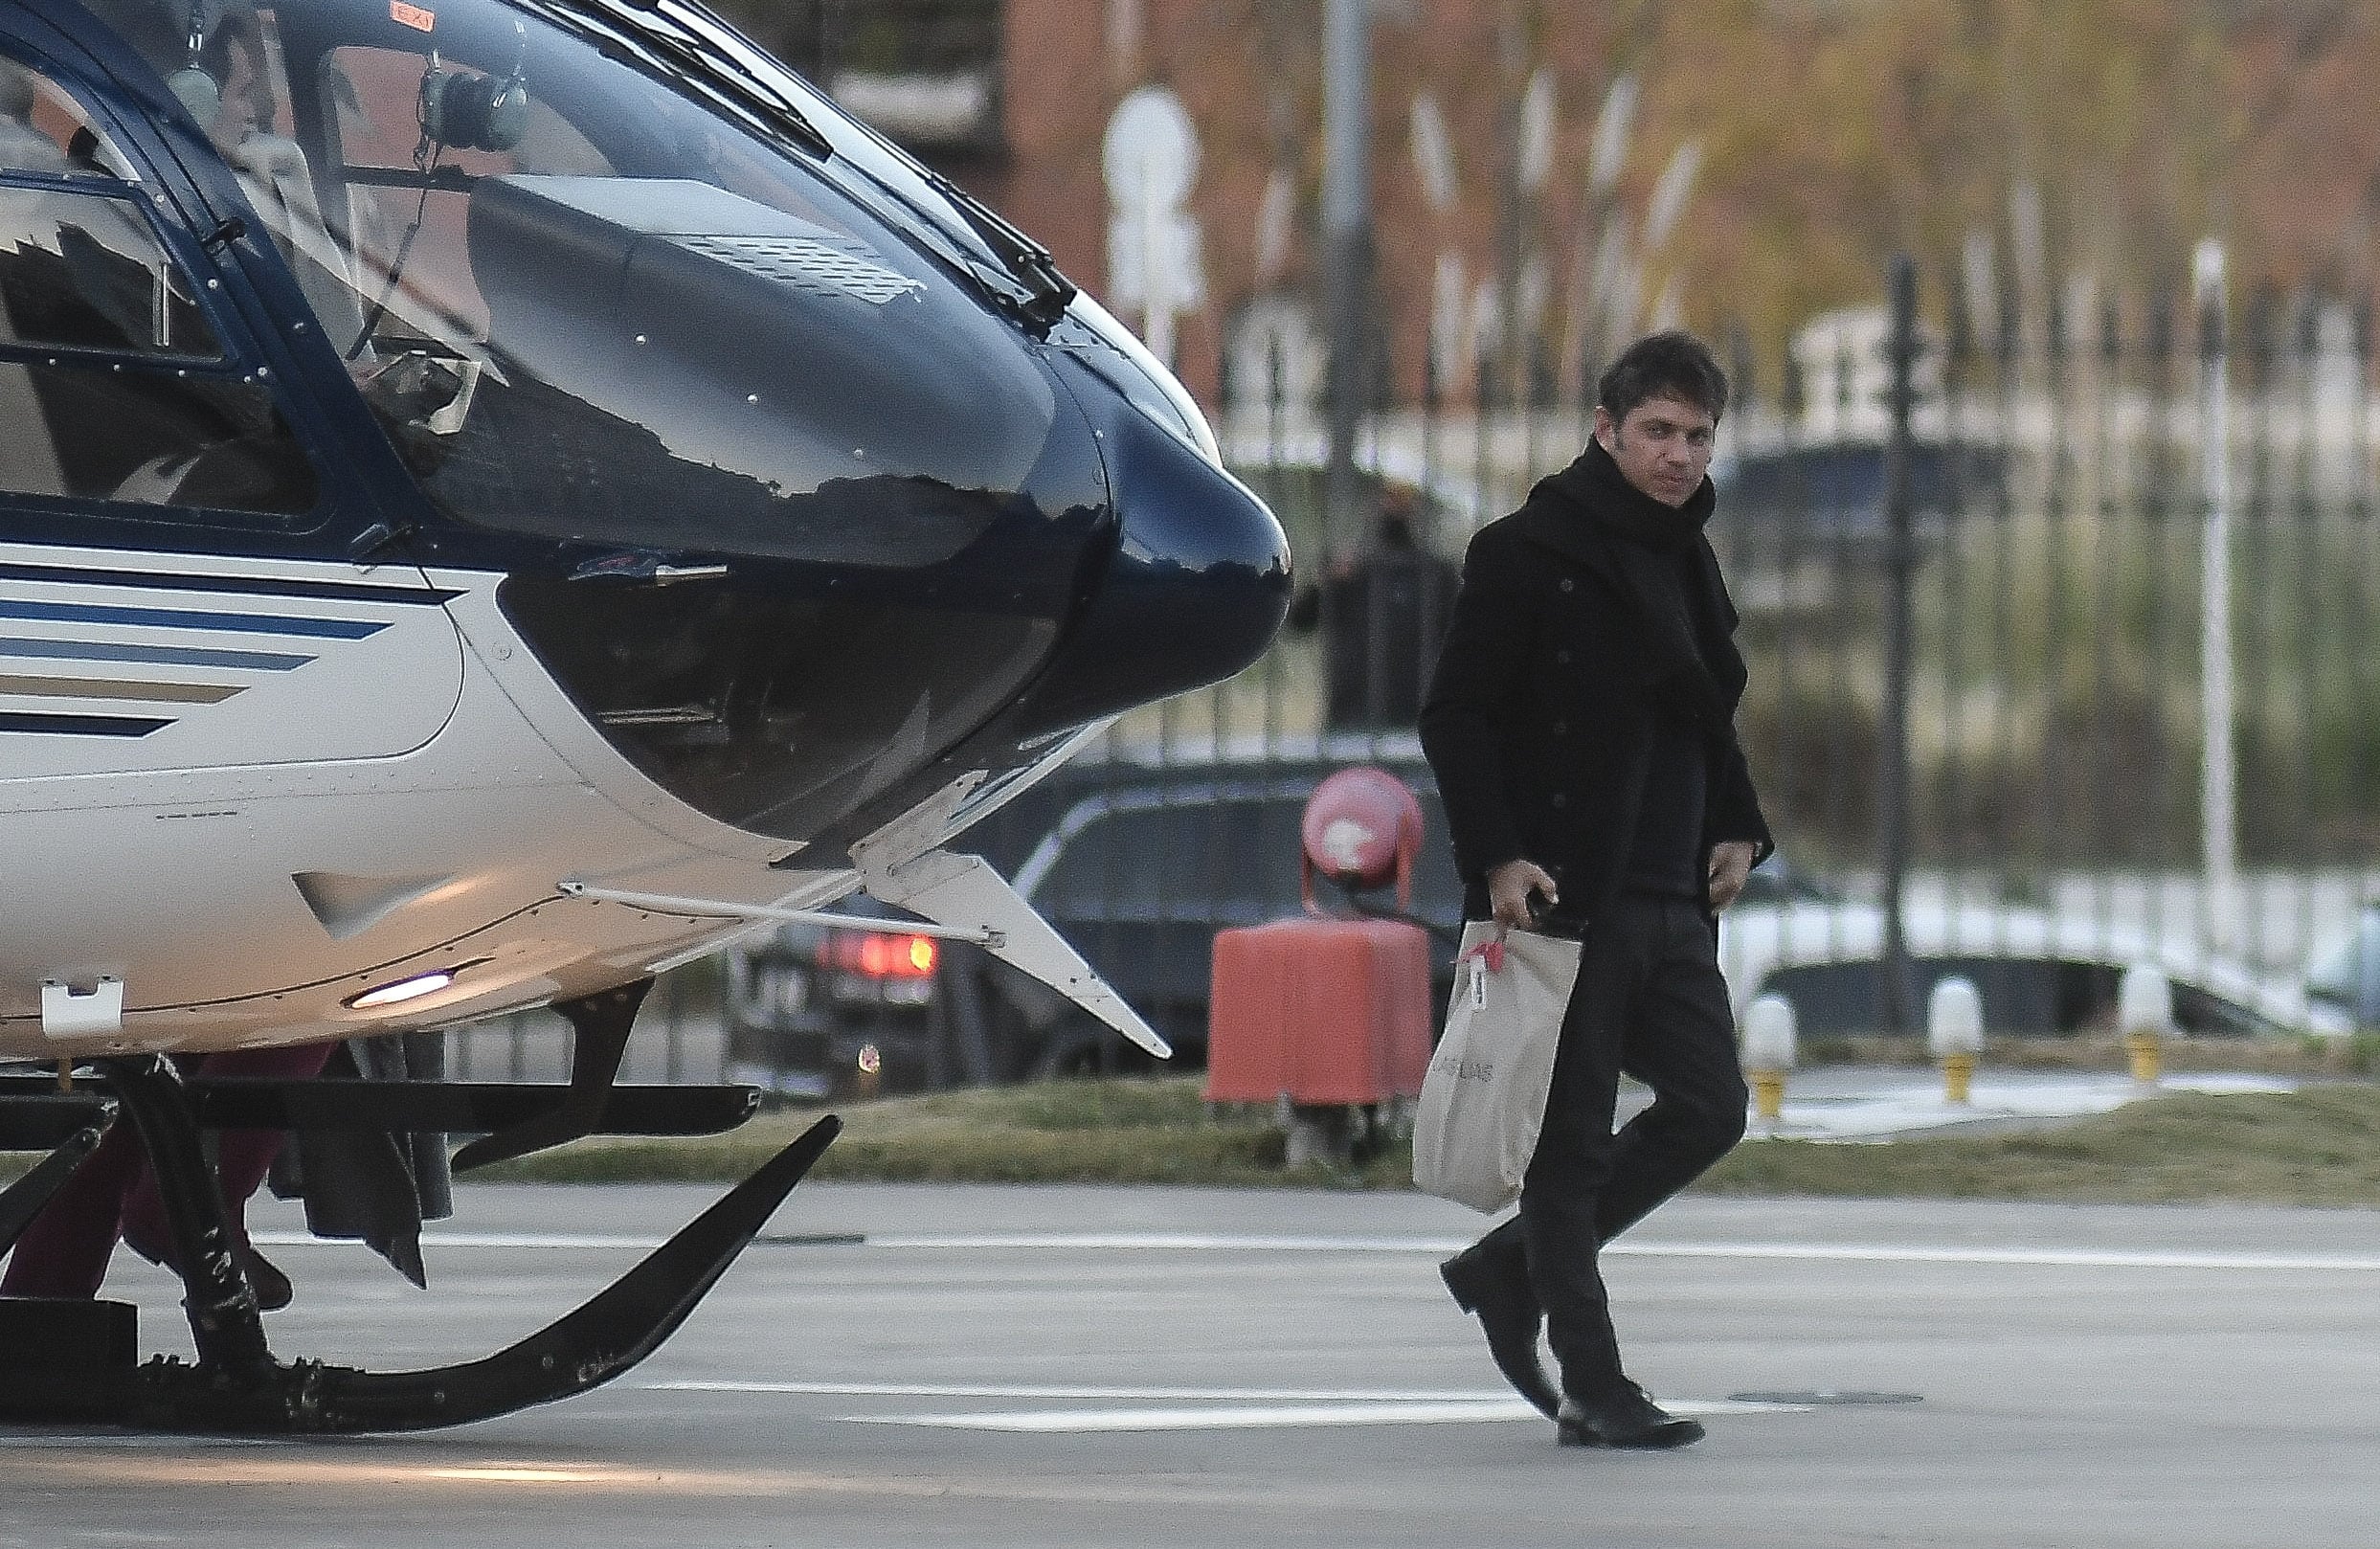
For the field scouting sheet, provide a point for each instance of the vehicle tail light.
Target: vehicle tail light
(881, 955)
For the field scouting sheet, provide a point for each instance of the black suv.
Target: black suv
(1138, 866)
(1141, 874)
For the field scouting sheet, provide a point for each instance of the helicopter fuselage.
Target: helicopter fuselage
(669, 490)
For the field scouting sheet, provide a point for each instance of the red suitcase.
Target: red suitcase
(1325, 1012)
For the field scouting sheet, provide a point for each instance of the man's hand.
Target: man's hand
(1508, 887)
(1731, 862)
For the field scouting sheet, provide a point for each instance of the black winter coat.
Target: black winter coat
(1538, 721)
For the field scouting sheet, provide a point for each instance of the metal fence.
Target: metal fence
(2124, 526)
(2113, 519)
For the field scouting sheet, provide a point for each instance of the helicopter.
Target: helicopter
(499, 499)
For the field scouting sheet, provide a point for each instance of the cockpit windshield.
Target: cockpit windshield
(591, 298)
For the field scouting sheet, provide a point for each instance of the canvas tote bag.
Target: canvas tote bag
(1483, 1100)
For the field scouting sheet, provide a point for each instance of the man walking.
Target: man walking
(1581, 723)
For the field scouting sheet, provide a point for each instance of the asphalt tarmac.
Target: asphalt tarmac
(1102, 1367)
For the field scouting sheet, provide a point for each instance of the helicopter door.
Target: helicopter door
(170, 595)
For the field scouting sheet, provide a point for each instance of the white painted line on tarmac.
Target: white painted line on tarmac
(1170, 1241)
(966, 1390)
(1813, 1253)
(1275, 1417)
(2091, 1258)
(1214, 1243)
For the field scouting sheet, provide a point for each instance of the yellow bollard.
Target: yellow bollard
(1954, 1035)
(1768, 1094)
(1768, 1051)
(2144, 1013)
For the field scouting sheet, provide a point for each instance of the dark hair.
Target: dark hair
(158, 31)
(1674, 362)
(229, 29)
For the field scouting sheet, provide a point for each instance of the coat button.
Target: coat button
(1562, 658)
(1561, 802)
(1567, 583)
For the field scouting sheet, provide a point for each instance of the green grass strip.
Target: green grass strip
(2317, 1146)
(2320, 1146)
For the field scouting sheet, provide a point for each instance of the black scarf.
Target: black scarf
(1672, 581)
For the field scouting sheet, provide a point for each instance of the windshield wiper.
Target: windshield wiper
(1026, 262)
(1049, 292)
(1014, 272)
(670, 45)
(1027, 284)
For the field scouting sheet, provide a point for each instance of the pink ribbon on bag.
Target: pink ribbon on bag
(1491, 953)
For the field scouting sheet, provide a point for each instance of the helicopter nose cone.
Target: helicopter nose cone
(1195, 590)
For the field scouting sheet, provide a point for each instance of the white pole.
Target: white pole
(1156, 281)
(2218, 806)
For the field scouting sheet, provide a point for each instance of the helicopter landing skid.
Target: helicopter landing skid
(238, 1386)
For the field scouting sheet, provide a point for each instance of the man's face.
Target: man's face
(1662, 447)
(247, 101)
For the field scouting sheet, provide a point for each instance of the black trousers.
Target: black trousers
(1650, 1003)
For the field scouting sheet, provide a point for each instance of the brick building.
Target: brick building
(1483, 114)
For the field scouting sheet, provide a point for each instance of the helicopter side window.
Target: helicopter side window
(113, 383)
(44, 132)
(110, 376)
(86, 271)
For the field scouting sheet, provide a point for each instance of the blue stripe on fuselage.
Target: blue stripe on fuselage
(169, 656)
(257, 623)
(79, 726)
(253, 585)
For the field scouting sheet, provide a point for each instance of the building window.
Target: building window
(926, 72)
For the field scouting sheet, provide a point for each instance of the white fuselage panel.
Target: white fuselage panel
(403, 800)
(113, 665)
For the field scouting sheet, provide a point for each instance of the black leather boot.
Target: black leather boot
(1509, 1316)
(1626, 1417)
